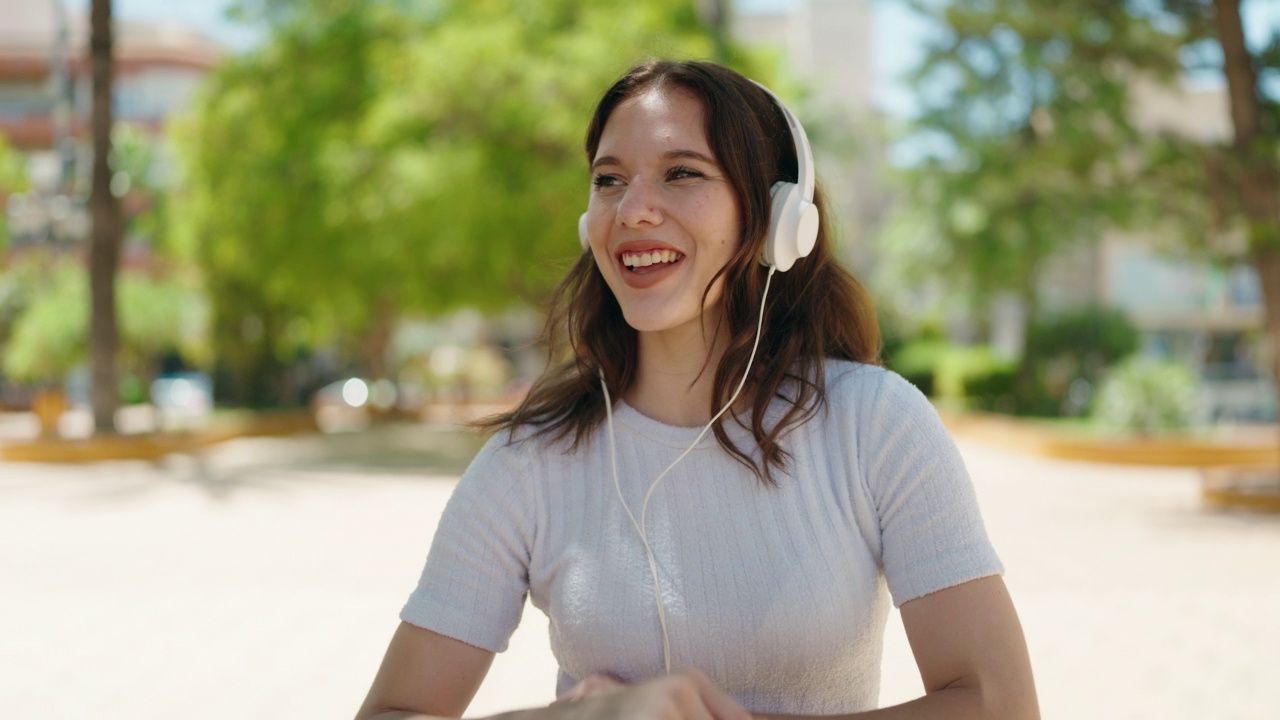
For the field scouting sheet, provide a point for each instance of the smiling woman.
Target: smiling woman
(758, 578)
(663, 218)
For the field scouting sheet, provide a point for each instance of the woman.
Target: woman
(691, 576)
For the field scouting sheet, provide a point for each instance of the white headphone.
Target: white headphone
(793, 219)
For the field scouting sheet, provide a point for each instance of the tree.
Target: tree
(1038, 151)
(47, 338)
(1252, 162)
(13, 179)
(379, 158)
(104, 244)
(1026, 105)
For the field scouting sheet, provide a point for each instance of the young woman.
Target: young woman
(742, 573)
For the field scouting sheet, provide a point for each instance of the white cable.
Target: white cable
(617, 484)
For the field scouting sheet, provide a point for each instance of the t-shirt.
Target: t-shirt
(779, 594)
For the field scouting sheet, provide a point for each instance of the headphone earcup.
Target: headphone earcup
(793, 227)
(582, 232)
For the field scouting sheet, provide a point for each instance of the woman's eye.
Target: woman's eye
(683, 173)
(604, 181)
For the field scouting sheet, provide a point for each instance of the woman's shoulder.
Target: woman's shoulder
(518, 445)
(872, 390)
(851, 376)
(528, 451)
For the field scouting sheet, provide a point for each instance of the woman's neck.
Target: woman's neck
(675, 376)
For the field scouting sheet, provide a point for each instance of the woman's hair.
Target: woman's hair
(815, 310)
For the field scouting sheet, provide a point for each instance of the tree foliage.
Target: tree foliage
(13, 179)
(377, 158)
(1030, 144)
(49, 337)
(1029, 113)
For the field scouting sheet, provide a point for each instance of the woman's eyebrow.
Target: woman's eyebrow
(690, 154)
(668, 155)
(606, 160)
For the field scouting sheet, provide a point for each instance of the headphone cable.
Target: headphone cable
(613, 456)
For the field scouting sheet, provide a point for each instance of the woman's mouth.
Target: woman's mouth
(643, 269)
(650, 260)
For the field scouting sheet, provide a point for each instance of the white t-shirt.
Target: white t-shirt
(778, 593)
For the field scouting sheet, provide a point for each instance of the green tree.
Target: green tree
(1250, 164)
(48, 338)
(379, 158)
(1030, 109)
(13, 179)
(1026, 114)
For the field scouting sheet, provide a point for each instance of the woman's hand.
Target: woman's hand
(689, 695)
(597, 685)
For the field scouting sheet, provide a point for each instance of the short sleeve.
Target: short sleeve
(476, 576)
(931, 531)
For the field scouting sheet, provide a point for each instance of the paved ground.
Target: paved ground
(263, 580)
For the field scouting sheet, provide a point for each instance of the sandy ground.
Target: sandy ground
(263, 580)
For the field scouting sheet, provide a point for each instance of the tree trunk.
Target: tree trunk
(377, 339)
(1254, 175)
(104, 244)
(1267, 263)
(716, 15)
(1025, 385)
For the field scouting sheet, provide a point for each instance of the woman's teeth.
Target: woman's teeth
(652, 257)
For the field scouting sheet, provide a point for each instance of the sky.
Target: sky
(897, 41)
(890, 58)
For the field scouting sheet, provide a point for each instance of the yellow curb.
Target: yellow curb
(1020, 436)
(1224, 498)
(1253, 489)
(150, 446)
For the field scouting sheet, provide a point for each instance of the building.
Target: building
(158, 67)
(46, 101)
(826, 44)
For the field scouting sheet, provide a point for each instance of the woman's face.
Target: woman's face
(663, 218)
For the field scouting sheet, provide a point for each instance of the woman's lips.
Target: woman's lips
(644, 277)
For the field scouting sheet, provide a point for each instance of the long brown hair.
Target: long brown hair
(816, 310)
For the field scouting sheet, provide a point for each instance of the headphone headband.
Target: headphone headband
(804, 155)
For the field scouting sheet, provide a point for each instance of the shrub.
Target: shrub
(917, 361)
(1070, 347)
(1093, 333)
(943, 369)
(1147, 395)
(993, 389)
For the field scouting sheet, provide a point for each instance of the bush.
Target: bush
(1068, 348)
(1095, 334)
(940, 368)
(1147, 395)
(993, 390)
(917, 361)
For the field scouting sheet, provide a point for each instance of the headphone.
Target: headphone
(793, 218)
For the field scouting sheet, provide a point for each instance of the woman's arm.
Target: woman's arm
(426, 673)
(427, 676)
(972, 657)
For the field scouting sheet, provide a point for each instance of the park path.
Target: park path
(263, 580)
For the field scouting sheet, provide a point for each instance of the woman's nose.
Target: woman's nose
(639, 205)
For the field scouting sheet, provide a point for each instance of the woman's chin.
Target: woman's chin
(648, 320)
(651, 319)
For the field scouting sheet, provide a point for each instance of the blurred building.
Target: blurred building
(1206, 315)
(46, 100)
(826, 44)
